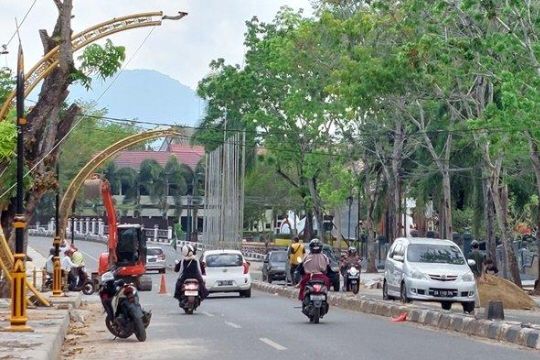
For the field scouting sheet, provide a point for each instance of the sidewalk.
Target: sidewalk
(49, 324)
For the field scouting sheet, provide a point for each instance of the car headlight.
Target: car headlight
(415, 274)
(467, 277)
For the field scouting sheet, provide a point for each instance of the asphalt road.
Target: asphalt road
(270, 327)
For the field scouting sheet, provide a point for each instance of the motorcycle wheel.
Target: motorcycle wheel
(88, 287)
(140, 331)
(112, 329)
(355, 289)
(316, 315)
(188, 310)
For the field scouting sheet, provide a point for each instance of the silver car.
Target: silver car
(429, 270)
(155, 259)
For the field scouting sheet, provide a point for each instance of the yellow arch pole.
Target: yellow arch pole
(73, 189)
(50, 61)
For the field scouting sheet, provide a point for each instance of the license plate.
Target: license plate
(225, 283)
(443, 293)
(151, 260)
(353, 281)
(191, 293)
(317, 297)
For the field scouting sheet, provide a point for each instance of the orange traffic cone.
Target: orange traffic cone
(400, 318)
(163, 285)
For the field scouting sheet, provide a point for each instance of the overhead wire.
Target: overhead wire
(19, 25)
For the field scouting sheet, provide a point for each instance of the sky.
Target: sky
(180, 49)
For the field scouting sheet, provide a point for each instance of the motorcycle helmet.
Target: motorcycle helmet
(106, 277)
(187, 251)
(352, 251)
(315, 246)
(475, 244)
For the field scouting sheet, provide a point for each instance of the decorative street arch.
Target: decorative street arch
(98, 160)
(50, 61)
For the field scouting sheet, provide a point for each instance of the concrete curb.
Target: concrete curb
(55, 346)
(505, 331)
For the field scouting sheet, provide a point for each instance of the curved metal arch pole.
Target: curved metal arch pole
(50, 61)
(75, 185)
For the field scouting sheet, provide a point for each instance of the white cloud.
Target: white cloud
(181, 49)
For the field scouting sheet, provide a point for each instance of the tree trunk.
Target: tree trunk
(510, 265)
(535, 159)
(372, 247)
(447, 206)
(317, 209)
(488, 218)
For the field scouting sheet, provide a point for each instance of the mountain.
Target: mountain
(145, 95)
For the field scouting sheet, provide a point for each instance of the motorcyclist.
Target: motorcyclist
(352, 259)
(78, 271)
(189, 268)
(313, 266)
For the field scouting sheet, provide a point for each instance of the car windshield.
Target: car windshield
(218, 260)
(439, 254)
(153, 251)
(278, 256)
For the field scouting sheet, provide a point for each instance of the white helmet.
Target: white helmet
(106, 277)
(187, 250)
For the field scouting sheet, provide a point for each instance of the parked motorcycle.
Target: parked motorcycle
(352, 279)
(88, 286)
(190, 299)
(125, 315)
(315, 305)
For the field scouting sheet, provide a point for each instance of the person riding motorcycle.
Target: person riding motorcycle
(314, 266)
(352, 259)
(189, 268)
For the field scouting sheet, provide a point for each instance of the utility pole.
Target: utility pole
(18, 317)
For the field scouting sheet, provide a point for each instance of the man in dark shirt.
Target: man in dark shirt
(478, 257)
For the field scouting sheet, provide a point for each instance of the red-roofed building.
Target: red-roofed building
(185, 153)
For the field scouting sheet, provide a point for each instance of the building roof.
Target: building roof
(185, 153)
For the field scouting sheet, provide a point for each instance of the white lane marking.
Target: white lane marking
(273, 344)
(231, 324)
(90, 256)
(207, 314)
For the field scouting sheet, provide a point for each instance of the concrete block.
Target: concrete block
(494, 330)
(456, 323)
(511, 334)
(415, 315)
(444, 321)
(532, 338)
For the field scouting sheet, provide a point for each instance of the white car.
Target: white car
(429, 270)
(155, 259)
(226, 271)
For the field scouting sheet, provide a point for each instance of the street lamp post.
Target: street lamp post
(18, 317)
(349, 201)
(57, 271)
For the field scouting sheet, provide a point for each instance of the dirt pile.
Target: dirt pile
(496, 288)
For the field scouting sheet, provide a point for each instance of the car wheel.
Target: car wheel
(246, 293)
(468, 307)
(335, 284)
(385, 295)
(403, 291)
(446, 305)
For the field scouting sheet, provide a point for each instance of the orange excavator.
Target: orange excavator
(126, 243)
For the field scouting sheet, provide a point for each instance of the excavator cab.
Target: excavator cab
(131, 247)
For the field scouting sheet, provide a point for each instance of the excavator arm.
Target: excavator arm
(94, 186)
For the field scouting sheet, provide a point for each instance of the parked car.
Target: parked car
(155, 259)
(429, 270)
(226, 271)
(275, 266)
(333, 271)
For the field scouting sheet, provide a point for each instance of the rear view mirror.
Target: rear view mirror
(399, 258)
(471, 262)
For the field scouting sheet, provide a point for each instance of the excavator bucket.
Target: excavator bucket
(92, 188)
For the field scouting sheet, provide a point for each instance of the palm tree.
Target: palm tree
(153, 182)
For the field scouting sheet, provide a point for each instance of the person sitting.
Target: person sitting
(189, 268)
(49, 263)
(67, 267)
(313, 267)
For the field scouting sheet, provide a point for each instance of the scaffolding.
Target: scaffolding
(224, 189)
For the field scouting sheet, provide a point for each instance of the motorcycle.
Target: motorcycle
(88, 286)
(315, 305)
(352, 279)
(190, 299)
(125, 315)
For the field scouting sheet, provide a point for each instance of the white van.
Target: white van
(429, 270)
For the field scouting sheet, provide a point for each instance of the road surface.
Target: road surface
(270, 327)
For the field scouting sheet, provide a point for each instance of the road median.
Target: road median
(505, 331)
